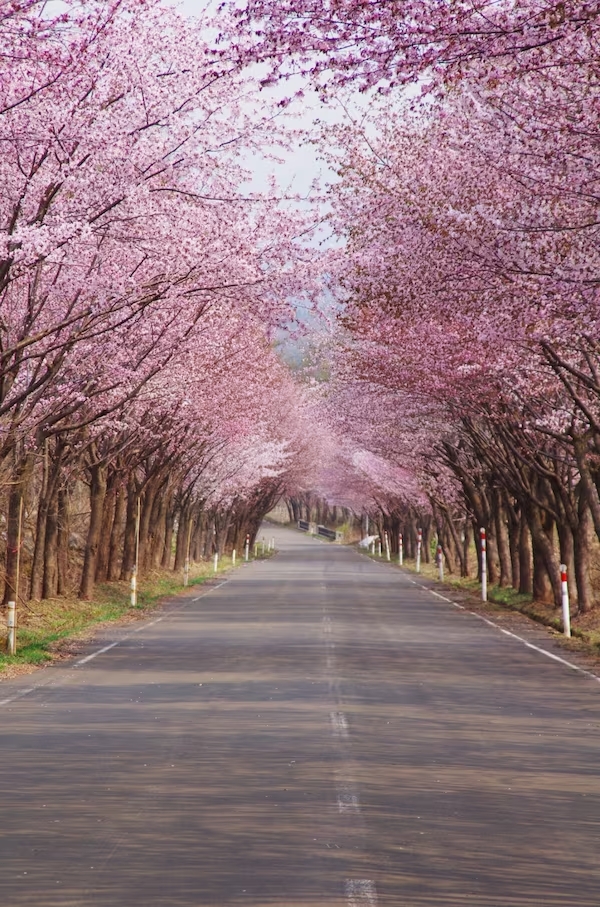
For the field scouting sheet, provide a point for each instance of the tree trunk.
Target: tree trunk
(128, 561)
(63, 541)
(36, 583)
(108, 516)
(505, 578)
(23, 470)
(546, 575)
(525, 557)
(116, 534)
(181, 541)
(97, 496)
(514, 531)
(582, 549)
(50, 582)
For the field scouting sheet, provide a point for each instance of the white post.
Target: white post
(134, 572)
(247, 546)
(11, 617)
(400, 550)
(11, 625)
(216, 562)
(419, 544)
(387, 546)
(133, 588)
(564, 588)
(233, 558)
(483, 564)
(379, 552)
(366, 524)
(440, 560)
(273, 544)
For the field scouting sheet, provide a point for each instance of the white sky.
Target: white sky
(301, 166)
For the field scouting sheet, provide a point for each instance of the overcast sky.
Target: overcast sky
(301, 166)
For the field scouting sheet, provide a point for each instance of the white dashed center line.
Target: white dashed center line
(339, 724)
(361, 893)
(348, 801)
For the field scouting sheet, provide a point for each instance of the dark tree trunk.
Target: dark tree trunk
(108, 516)
(514, 530)
(50, 583)
(505, 578)
(582, 551)
(546, 575)
(23, 470)
(168, 543)
(117, 534)
(128, 561)
(63, 541)
(97, 496)
(525, 557)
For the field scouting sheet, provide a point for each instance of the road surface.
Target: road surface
(316, 731)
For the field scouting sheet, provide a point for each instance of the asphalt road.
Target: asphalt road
(317, 731)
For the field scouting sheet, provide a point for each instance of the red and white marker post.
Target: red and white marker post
(400, 549)
(247, 548)
(419, 546)
(564, 594)
(483, 564)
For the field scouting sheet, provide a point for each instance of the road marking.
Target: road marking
(348, 802)
(361, 892)
(208, 591)
(107, 648)
(530, 645)
(117, 642)
(339, 724)
(444, 599)
(17, 696)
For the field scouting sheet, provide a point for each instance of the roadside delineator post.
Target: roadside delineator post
(247, 547)
(134, 572)
(233, 553)
(564, 590)
(400, 549)
(440, 561)
(379, 550)
(11, 626)
(483, 564)
(419, 545)
(11, 617)
(387, 545)
(216, 562)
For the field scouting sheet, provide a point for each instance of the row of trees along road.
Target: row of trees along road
(139, 286)
(468, 353)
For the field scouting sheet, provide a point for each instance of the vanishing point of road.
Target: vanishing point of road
(315, 731)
